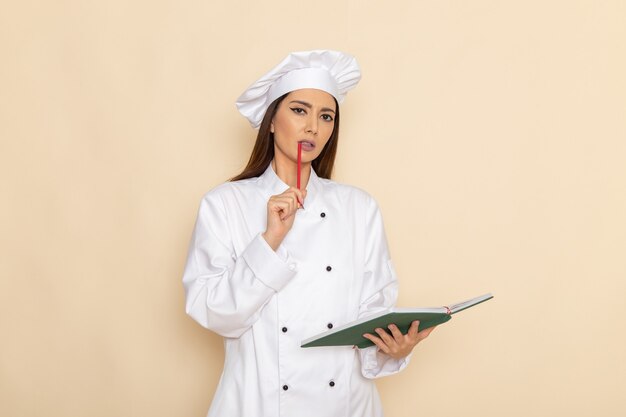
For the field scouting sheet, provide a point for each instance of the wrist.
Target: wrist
(272, 241)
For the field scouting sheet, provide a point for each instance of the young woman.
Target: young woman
(271, 264)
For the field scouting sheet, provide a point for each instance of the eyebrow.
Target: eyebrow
(304, 103)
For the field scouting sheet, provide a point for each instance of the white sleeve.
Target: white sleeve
(380, 291)
(226, 293)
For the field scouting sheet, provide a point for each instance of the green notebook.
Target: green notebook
(351, 334)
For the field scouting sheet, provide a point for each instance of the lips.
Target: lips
(307, 145)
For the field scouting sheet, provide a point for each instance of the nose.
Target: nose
(312, 125)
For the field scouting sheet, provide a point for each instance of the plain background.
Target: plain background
(492, 133)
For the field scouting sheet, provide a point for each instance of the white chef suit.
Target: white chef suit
(332, 267)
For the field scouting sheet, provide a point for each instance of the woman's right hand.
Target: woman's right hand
(281, 212)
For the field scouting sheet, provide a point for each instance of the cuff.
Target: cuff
(375, 364)
(274, 269)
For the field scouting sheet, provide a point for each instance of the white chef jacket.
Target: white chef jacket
(332, 267)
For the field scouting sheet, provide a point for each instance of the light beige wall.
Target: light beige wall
(493, 134)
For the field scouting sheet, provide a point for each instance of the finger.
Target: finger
(379, 343)
(294, 201)
(297, 191)
(289, 211)
(396, 333)
(385, 336)
(298, 194)
(285, 217)
(424, 333)
(277, 206)
(412, 333)
(281, 209)
(288, 203)
(290, 198)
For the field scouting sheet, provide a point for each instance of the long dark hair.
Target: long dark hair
(263, 151)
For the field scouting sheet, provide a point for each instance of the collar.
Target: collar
(273, 185)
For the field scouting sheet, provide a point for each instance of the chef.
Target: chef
(271, 263)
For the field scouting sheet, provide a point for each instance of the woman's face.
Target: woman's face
(306, 116)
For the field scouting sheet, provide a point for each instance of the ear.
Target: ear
(272, 127)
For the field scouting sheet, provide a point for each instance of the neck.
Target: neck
(287, 171)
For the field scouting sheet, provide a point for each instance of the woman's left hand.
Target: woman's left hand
(398, 345)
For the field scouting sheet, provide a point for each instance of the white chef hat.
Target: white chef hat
(331, 71)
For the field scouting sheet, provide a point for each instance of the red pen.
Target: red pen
(299, 169)
(299, 163)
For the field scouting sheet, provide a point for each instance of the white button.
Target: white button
(292, 266)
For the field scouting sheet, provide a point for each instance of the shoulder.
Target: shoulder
(217, 196)
(231, 187)
(349, 193)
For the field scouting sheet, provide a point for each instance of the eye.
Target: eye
(327, 117)
(298, 110)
